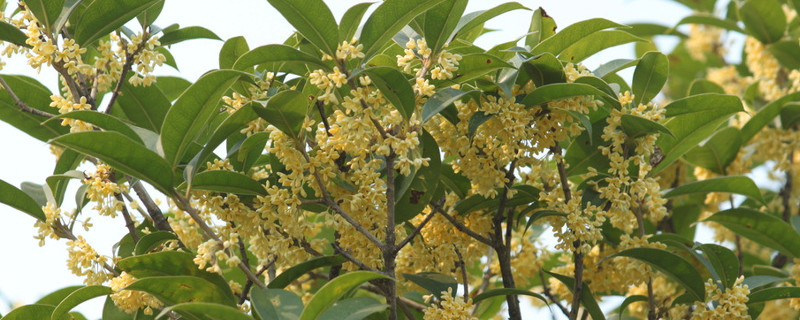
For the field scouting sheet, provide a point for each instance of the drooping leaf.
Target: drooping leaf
(351, 20)
(763, 20)
(36, 96)
(388, 19)
(287, 276)
(101, 17)
(77, 297)
(731, 184)
(334, 290)
(313, 19)
(123, 154)
(286, 111)
(572, 34)
(507, 291)
(587, 298)
(673, 266)
(395, 88)
(179, 289)
(152, 240)
(767, 230)
(211, 311)
(227, 182)
(188, 33)
(17, 199)
(353, 309)
(192, 112)
(276, 304)
(435, 283)
(649, 77)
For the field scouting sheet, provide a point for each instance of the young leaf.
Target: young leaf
(313, 19)
(351, 20)
(188, 33)
(101, 17)
(178, 289)
(287, 276)
(765, 229)
(286, 111)
(507, 291)
(387, 20)
(353, 309)
(227, 182)
(334, 290)
(435, 283)
(47, 12)
(192, 112)
(77, 297)
(276, 304)
(395, 88)
(763, 19)
(123, 154)
(649, 77)
(439, 22)
(572, 34)
(17, 199)
(206, 309)
(671, 265)
(278, 57)
(732, 184)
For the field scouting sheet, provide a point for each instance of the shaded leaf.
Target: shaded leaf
(723, 261)
(287, 276)
(507, 291)
(313, 20)
(765, 229)
(395, 88)
(11, 33)
(435, 283)
(557, 91)
(152, 240)
(440, 100)
(671, 265)
(636, 126)
(35, 95)
(353, 309)
(587, 298)
(544, 69)
(718, 152)
(211, 311)
(145, 106)
(276, 304)
(334, 290)
(286, 111)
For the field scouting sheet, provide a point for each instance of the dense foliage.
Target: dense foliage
(385, 167)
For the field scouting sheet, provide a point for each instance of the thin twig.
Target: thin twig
(461, 227)
(462, 266)
(128, 221)
(416, 231)
(348, 256)
(549, 294)
(125, 69)
(22, 105)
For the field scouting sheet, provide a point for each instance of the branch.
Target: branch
(415, 232)
(125, 69)
(344, 253)
(462, 266)
(549, 295)
(577, 255)
(22, 106)
(159, 221)
(128, 221)
(461, 227)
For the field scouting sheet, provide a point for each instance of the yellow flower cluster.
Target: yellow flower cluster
(765, 69)
(52, 215)
(730, 304)
(65, 106)
(102, 190)
(131, 301)
(450, 308)
(84, 261)
(704, 40)
(145, 60)
(347, 50)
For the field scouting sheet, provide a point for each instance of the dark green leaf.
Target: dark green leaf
(542, 27)
(765, 116)
(152, 241)
(276, 304)
(211, 311)
(395, 88)
(557, 91)
(649, 77)
(388, 19)
(770, 294)
(17, 199)
(671, 265)
(476, 65)
(287, 276)
(232, 49)
(334, 290)
(439, 22)
(572, 34)
(353, 309)
(710, 20)
(11, 33)
(507, 291)
(178, 289)
(628, 300)
(77, 297)
(477, 18)
(227, 182)
(763, 19)
(191, 113)
(765, 229)
(286, 111)
(351, 20)
(790, 115)
(46, 11)
(250, 151)
(583, 153)
(587, 298)
(102, 121)
(595, 43)
(278, 57)
(123, 154)
(732, 184)
(544, 69)
(35, 95)
(723, 261)
(101, 17)
(313, 20)
(150, 15)
(718, 152)
(435, 283)
(424, 184)
(228, 127)
(145, 106)
(440, 100)
(188, 33)
(636, 126)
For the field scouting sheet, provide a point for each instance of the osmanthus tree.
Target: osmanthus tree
(384, 167)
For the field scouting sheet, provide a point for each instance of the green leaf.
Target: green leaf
(145, 106)
(55, 297)
(587, 298)
(278, 57)
(790, 115)
(507, 291)
(58, 183)
(395, 88)
(572, 34)
(787, 52)
(595, 43)
(31, 311)
(102, 121)
(541, 28)
(710, 20)
(232, 124)
(770, 294)
(583, 152)
(287, 276)
(35, 95)
(123, 154)
(11, 33)
(276, 304)
(476, 65)
(35, 192)
(231, 51)
(351, 20)
(652, 29)
(700, 86)
(206, 310)
(731, 184)
(628, 300)
(440, 100)
(152, 241)
(439, 22)
(334, 290)
(723, 261)
(544, 69)
(77, 297)
(101, 17)
(353, 309)
(112, 312)
(477, 18)
(46, 11)
(178, 289)
(765, 229)
(188, 33)
(636, 126)
(286, 111)
(435, 283)
(557, 91)
(313, 20)
(649, 77)
(673, 266)
(150, 15)
(192, 112)
(413, 197)
(227, 182)
(763, 19)
(718, 152)
(387, 20)
(722, 103)
(765, 116)
(172, 87)
(17, 199)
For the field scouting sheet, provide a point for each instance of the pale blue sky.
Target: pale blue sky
(28, 271)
